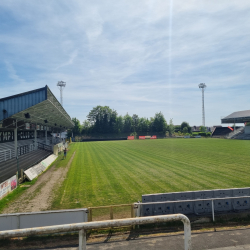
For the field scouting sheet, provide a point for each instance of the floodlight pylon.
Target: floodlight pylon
(202, 86)
(61, 85)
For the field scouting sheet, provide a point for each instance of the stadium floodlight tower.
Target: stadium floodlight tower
(202, 86)
(61, 85)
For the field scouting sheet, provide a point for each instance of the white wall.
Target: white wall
(247, 130)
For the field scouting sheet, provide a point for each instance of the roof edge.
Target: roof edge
(24, 93)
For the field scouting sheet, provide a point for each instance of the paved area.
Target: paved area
(223, 240)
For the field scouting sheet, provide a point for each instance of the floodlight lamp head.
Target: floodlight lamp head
(61, 84)
(202, 85)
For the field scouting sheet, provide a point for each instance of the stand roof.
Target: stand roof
(237, 117)
(40, 104)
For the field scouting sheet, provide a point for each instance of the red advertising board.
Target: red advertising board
(153, 137)
(130, 138)
(142, 137)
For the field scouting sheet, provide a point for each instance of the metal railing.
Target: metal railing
(5, 155)
(139, 205)
(82, 227)
(234, 133)
(44, 146)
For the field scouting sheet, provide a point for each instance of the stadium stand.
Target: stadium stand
(27, 123)
(9, 168)
(221, 132)
(242, 117)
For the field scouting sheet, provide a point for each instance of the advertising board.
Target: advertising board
(142, 137)
(33, 172)
(153, 137)
(131, 138)
(27, 126)
(8, 186)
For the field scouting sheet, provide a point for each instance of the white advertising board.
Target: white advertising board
(8, 186)
(33, 172)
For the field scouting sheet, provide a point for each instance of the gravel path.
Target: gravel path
(39, 196)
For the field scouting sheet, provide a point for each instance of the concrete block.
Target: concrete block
(207, 206)
(223, 205)
(240, 192)
(169, 208)
(241, 203)
(184, 195)
(159, 209)
(148, 198)
(148, 210)
(168, 197)
(199, 207)
(157, 197)
(198, 195)
(208, 194)
(178, 207)
(221, 193)
(188, 207)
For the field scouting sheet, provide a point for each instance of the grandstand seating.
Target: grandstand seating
(9, 168)
(221, 131)
(7, 150)
(28, 155)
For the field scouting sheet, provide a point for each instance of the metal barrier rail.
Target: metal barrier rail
(82, 227)
(177, 201)
(5, 155)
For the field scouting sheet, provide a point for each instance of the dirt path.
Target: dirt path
(39, 196)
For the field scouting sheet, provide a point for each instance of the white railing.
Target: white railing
(82, 227)
(5, 155)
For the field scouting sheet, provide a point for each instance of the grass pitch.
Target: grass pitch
(119, 172)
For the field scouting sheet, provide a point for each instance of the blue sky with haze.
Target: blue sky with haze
(139, 57)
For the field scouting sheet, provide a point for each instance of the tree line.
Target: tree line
(103, 120)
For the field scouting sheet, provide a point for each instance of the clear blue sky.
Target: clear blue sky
(139, 57)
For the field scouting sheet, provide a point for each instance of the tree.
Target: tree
(102, 119)
(185, 130)
(119, 125)
(127, 123)
(202, 129)
(77, 127)
(143, 126)
(159, 123)
(135, 122)
(86, 127)
(185, 124)
(171, 127)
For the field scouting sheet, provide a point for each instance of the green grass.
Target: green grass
(118, 172)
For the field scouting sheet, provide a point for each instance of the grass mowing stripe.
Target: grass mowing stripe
(113, 172)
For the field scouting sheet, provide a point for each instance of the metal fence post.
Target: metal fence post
(213, 209)
(82, 240)
(111, 213)
(187, 235)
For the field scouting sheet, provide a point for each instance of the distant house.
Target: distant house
(197, 129)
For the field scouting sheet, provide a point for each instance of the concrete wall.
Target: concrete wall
(41, 219)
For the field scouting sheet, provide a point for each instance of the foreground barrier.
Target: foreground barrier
(197, 202)
(220, 205)
(82, 227)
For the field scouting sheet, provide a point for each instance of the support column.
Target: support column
(46, 142)
(15, 140)
(35, 139)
